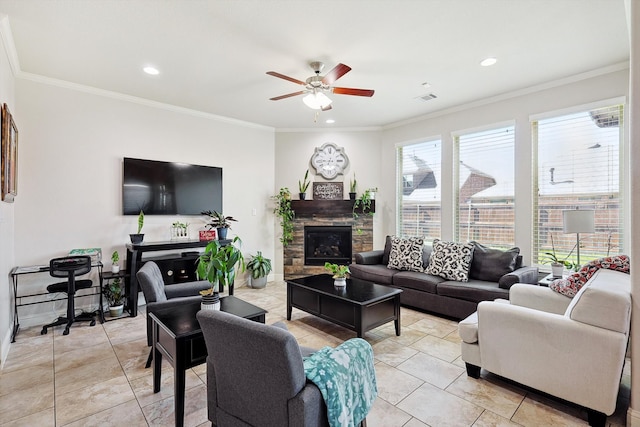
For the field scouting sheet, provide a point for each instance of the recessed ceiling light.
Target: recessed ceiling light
(488, 62)
(151, 70)
(330, 121)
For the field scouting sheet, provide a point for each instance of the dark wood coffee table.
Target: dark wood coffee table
(178, 337)
(360, 306)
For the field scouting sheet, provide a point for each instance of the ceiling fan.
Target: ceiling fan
(315, 86)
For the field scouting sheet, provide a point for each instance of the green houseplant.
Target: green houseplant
(138, 237)
(114, 294)
(259, 267)
(353, 185)
(557, 264)
(115, 258)
(303, 186)
(286, 214)
(220, 222)
(217, 264)
(340, 273)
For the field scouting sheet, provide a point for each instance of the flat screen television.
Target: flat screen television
(167, 188)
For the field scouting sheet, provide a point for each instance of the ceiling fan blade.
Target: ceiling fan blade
(287, 95)
(337, 72)
(282, 76)
(351, 91)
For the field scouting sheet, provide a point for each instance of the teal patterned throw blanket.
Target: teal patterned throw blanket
(347, 379)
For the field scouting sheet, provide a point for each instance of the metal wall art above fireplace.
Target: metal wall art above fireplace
(327, 244)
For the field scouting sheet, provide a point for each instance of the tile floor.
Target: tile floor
(95, 376)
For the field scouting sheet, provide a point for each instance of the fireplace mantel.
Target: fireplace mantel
(327, 207)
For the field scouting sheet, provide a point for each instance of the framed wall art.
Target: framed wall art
(9, 156)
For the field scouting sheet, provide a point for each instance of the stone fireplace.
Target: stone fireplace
(323, 231)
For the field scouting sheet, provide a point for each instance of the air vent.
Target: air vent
(428, 97)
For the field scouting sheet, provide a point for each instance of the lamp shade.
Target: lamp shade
(316, 100)
(578, 221)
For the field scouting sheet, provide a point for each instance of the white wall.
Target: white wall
(7, 95)
(70, 171)
(519, 108)
(293, 157)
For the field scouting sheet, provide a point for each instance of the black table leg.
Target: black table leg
(157, 360)
(397, 310)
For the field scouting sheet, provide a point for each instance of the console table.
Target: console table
(134, 262)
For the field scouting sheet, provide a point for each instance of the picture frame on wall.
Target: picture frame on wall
(9, 156)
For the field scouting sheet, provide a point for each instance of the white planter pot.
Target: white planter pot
(210, 302)
(340, 282)
(557, 270)
(116, 310)
(115, 268)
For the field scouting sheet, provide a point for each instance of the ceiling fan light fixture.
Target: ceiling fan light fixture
(317, 100)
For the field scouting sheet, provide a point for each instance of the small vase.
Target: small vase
(557, 270)
(115, 268)
(352, 196)
(136, 238)
(210, 302)
(222, 233)
(303, 196)
(340, 282)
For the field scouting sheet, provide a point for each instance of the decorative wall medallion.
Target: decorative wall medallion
(329, 160)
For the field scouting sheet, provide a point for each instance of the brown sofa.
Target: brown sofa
(445, 297)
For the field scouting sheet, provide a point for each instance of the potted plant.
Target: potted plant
(220, 222)
(286, 214)
(303, 186)
(137, 238)
(179, 230)
(364, 202)
(340, 273)
(115, 258)
(217, 264)
(259, 267)
(557, 265)
(114, 294)
(352, 187)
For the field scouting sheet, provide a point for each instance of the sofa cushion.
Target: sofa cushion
(491, 264)
(373, 273)
(387, 250)
(473, 290)
(418, 281)
(604, 301)
(450, 260)
(406, 253)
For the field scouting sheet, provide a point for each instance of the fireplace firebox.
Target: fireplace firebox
(327, 244)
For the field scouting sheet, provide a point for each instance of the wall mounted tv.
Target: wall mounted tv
(166, 188)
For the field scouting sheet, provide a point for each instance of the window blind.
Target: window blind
(419, 194)
(577, 163)
(485, 194)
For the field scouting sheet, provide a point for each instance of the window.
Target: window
(485, 196)
(419, 196)
(578, 166)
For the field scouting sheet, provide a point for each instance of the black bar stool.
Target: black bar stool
(70, 267)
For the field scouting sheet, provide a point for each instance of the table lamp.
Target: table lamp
(578, 221)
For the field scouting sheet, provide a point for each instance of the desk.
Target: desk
(177, 336)
(134, 262)
(16, 272)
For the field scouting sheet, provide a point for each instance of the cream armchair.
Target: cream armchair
(570, 348)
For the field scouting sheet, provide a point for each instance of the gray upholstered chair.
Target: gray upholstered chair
(255, 375)
(159, 296)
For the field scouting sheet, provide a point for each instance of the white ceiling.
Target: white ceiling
(213, 54)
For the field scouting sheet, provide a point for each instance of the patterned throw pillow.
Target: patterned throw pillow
(450, 260)
(406, 254)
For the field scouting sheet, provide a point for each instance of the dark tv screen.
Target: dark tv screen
(166, 188)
